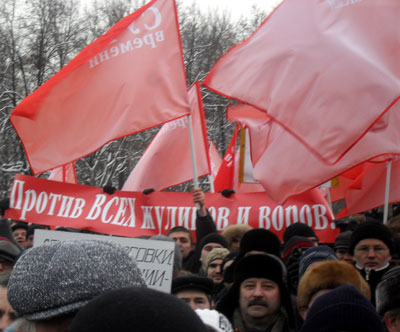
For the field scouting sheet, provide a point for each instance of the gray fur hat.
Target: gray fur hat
(387, 292)
(61, 277)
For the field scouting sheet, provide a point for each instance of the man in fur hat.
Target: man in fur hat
(258, 298)
(372, 247)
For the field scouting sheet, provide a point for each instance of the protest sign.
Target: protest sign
(134, 214)
(154, 258)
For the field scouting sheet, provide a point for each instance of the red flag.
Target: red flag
(65, 173)
(215, 159)
(167, 161)
(288, 168)
(325, 70)
(130, 79)
(224, 178)
(371, 194)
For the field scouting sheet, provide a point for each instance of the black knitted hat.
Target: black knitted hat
(342, 309)
(342, 241)
(299, 229)
(371, 230)
(213, 238)
(203, 284)
(137, 309)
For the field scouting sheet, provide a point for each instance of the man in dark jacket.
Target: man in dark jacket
(372, 247)
(259, 298)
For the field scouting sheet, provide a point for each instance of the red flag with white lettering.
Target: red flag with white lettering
(224, 178)
(128, 80)
(326, 70)
(167, 160)
(65, 173)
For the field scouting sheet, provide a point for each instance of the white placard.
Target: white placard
(154, 258)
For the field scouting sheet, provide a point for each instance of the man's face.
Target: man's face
(196, 299)
(20, 236)
(371, 254)
(207, 248)
(183, 241)
(214, 271)
(5, 266)
(343, 254)
(259, 297)
(7, 314)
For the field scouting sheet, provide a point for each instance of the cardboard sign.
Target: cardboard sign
(134, 214)
(155, 259)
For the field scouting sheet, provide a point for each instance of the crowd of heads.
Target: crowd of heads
(242, 279)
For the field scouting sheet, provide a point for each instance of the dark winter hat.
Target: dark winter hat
(388, 291)
(136, 309)
(299, 229)
(9, 248)
(257, 266)
(255, 240)
(342, 241)
(213, 238)
(342, 309)
(371, 230)
(61, 277)
(296, 242)
(315, 254)
(260, 240)
(18, 225)
(203, 284)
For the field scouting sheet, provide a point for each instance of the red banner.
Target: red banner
(132, 214)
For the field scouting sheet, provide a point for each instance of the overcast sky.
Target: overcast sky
(236, 7)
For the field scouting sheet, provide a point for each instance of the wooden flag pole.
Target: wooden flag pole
(193, 154)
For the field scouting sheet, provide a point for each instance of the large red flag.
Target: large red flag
(167, 161)
(130, 79)
(287, 167)
(65, 173)
(224, 178)
(368, 191)
(325, 70)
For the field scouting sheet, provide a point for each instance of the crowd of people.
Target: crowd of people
(242, 279)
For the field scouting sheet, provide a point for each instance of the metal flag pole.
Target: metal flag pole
(387, 191)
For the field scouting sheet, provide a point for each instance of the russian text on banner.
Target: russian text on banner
(134, 214)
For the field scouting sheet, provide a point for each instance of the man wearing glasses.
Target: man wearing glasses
(372, 247)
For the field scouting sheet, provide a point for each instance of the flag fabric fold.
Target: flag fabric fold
(128, 80)
(371, 193)
(225, 176)
(327, 71)
(167, 160)
(286, 167)
(65, 173)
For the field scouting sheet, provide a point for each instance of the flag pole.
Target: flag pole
(192, 152)
(387, 190)
(211, 181)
